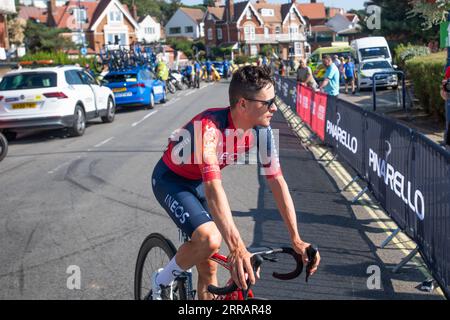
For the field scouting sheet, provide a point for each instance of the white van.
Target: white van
(370, 48)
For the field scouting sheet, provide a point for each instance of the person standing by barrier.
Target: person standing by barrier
(445, 93)
(305, 76)
(349, 74)
(341, 69)
(330, 84)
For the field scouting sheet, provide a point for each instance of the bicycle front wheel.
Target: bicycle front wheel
(156, 252)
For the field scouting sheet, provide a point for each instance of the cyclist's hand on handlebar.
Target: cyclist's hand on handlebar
(300, 247)
(239, 260)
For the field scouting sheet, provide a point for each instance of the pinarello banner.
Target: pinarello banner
(319, 112)
(305, 97)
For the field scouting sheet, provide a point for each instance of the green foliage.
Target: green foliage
(398, 24)
(409, 51)
(159, 9)
(39, 37)
(181, 44)
(426, 74)
(59, 58)
(434, 12)
(242, 59)
(266, 50)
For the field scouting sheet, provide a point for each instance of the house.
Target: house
(185, 22)
(41, 4)
(91, 23)
(247, 26)
(345, 26)
(149, 29)
(6, 7)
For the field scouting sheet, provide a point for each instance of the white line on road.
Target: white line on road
(103, 142)
(190, 92)
(148, 115)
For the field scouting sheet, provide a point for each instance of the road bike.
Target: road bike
(156, 251)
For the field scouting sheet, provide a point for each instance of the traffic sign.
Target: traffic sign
(83, 51)
(444, 34)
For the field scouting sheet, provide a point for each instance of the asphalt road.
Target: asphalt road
(87, 202)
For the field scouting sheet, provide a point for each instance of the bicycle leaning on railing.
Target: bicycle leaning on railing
(156, 251)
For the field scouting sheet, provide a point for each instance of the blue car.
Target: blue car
(136, 87)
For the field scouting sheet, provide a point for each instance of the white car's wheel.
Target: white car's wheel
(79, 123)
(110, 112)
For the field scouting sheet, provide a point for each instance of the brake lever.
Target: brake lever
(270, 258)
(311, 251)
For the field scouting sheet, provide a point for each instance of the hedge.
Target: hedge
(426, 74)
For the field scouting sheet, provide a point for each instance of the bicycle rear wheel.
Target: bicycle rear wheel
(156, 251)
(3, 146)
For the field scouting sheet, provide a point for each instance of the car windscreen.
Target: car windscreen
(376, 65)
(374, 52)
(28, 80)
(122, 77)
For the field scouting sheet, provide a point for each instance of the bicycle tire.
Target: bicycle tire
(154, 241)
(3, 147)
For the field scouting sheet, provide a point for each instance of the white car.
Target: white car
(51, 98)
(368, 68)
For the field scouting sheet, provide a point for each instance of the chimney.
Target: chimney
(293, 1)
(229, 4)
(134, 10)
(51, 8)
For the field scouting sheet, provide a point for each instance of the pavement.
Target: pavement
(87, 203)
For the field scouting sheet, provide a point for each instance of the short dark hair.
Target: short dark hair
(326, 56)
(249, 80)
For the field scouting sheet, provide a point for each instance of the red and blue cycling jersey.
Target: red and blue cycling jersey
(210, 141)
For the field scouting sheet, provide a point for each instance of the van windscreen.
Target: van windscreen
(376, 52)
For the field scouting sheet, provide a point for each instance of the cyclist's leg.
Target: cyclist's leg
(182, 201)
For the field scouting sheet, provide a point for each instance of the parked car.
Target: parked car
(369, 67)
(51, 98)
(136, 87)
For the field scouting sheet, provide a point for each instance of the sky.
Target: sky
(346, 4)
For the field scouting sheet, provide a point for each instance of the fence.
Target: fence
(406, 172)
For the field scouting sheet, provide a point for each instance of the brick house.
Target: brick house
(247, 26)
(6, 7)
(93, 23)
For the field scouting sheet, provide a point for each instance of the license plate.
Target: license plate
(119, 89)
(126, 94)
(24, 105)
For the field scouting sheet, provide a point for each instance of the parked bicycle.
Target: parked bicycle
(156, 251)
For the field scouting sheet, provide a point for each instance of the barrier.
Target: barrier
(406, 172)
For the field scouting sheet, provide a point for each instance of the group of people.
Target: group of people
(337, 70)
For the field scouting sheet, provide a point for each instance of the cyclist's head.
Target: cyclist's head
(252, 83)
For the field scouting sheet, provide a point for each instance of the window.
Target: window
(277, 29)
(150, 30)
(117, 38)
(86, 78)
(249, 32)
(267, 12)
(266, 32)
(219, 34)
(72, 77)
(115, 16)
(175, 30)
(123, 77)
(80, 15)
(249, 14)
(210, 34)
(78, 38)
(253, 50)
(189, 29)
(293, 29)
(28, 80)
(297, 49)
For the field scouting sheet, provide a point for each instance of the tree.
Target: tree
(433, 11)
(398, 23)
(39, 37)
(16, 30)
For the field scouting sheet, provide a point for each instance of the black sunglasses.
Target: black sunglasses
(268, 103)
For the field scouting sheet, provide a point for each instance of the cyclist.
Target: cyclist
(208, 65)
(162, 71)
(189, 72)
(191, 191)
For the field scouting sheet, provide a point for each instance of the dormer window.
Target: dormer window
(80, 15)
(267, 12)
(249, 14)
(115, 15)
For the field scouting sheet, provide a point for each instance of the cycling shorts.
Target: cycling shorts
(183, 199)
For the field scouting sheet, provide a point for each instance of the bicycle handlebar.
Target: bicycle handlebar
(257, 259)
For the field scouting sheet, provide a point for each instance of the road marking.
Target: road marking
(103, 142)
(62, 165)
(148, 115)
(190, 92)
(172, 101)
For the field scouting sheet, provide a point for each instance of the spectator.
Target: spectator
(336, 61)
(87, 67)
(305, 76)
(341, 69)
(264, 61)
(330, 84)
(349, 74)
(446, 96)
